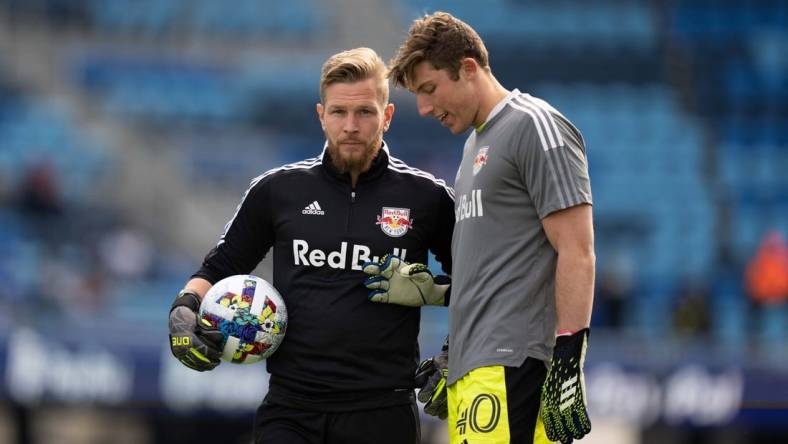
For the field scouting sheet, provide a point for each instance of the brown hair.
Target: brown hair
(441, 39)
(355, 65)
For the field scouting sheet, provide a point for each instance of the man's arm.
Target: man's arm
(563, 401)
(571, 233)
(440, 242)
(199, 286)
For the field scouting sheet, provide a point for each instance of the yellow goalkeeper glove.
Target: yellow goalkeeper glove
(395, 281)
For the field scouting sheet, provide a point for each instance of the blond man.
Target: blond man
(344, 372)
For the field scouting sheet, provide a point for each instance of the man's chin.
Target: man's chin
(352, 153)
(354, 160)
(346, 163)
(458, 128)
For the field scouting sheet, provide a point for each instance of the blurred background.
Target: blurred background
(129, 130)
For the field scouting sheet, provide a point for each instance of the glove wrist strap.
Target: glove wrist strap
(187, 298)
(442, 287)
(571, 345)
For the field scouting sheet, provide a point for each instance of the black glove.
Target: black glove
(431, 377)
(563, 408)
(196, 346)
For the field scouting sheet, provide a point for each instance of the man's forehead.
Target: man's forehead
(360, 93)
(422, 74)
(350, 102)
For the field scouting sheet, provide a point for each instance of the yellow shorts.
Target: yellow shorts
(497, 405)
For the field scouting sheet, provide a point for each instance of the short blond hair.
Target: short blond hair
(440, 39)
(355, 65)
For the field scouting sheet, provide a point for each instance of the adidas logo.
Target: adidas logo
(313, 208)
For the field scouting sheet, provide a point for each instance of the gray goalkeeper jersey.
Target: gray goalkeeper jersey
(526, 162)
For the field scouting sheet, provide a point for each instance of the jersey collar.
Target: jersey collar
(497, 109)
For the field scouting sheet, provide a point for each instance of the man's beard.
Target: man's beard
(357, 164)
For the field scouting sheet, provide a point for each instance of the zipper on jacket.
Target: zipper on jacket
(350, 210)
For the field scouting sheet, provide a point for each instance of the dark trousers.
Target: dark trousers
(277, 424)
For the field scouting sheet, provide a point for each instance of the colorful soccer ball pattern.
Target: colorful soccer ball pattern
(250, 313)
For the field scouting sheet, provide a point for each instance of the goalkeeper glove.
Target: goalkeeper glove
(394, 281)
(563, 408)
(196, 346)
(431, 377)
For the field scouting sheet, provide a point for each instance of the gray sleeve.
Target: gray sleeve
(553, 164)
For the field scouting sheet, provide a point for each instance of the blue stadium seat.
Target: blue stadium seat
(246, 19)
(772, 325)
(607, 23)
(730, 319)
(34, 131)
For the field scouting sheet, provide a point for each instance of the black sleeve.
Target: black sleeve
(246, 239)
(441, 240)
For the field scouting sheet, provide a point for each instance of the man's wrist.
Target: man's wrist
(570, 345)
(568, 331)
(187, 298)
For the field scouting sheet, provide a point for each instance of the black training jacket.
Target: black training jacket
(340, 352)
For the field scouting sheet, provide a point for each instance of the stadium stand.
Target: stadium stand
(683, 106)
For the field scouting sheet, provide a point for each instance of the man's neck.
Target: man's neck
(492, 92)
(356, 173)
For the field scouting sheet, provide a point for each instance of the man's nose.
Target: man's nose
(424, 106)
(351, 124)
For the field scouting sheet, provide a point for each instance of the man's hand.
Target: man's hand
(431, 377)
(563, 408)
(394, 281)
(194, 345)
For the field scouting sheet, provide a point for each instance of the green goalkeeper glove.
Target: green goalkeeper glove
(563, 408)
(431, 377)
(395, 281)
(197, 347)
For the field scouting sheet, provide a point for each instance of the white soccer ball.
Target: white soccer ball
(250, 313)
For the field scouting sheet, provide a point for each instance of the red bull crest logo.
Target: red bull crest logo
(395, 221)
(480, 160)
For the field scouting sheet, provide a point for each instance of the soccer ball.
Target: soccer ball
(250, 313)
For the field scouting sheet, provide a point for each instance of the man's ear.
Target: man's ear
(388, 114)
(319, 109)
(469, 67)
